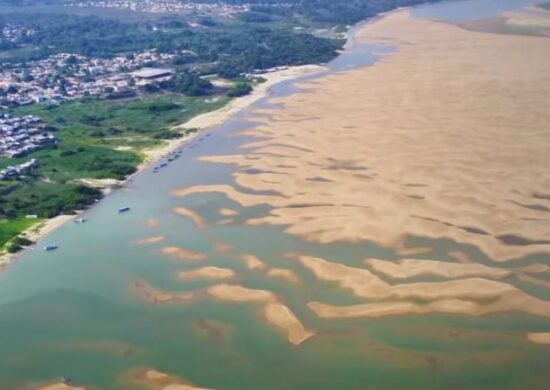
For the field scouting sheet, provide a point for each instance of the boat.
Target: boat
(123, 209)
(80, 220)
(163, 165)
(50, 247)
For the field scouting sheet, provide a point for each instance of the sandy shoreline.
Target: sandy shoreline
(35, 233)
(203, 121)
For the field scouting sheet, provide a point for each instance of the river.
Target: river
(75, 313)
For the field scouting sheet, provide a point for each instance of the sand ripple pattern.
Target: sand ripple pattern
(448, 138)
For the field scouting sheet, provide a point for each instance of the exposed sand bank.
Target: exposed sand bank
(61, 386)
(539, 338)
(473, 296)
(192, 215)
(208, 273)
(150, 240)
(285, 274)
(253, 262)
(510, 301)
(275, 312)
(153, 295)
(183, 254)
(156, 380)
(216, 118)
(410, 268)
(364, 284)
(226, 212)
(425, 143)
(281, 316)
(236, 293)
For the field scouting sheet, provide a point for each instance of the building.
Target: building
(152, 73)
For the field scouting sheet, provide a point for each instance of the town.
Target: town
(166, 6)
(14, 32)
(16, 171)
(20, 136)
(73, 76)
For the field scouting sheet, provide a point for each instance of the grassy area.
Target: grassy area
(103, 139)
(97, 139)
(11, 228)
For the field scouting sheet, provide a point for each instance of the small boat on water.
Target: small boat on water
(49, 248)
(80, 220)
(123, 209)
(163, 165)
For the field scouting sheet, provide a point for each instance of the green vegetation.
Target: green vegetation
(97, 139)
(105, 139)
(11, 228)
(229, 49)
(240, 89)
(320, 11)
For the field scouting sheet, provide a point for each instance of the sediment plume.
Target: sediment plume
(153, 222)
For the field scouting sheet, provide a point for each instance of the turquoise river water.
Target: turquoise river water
(73, 312)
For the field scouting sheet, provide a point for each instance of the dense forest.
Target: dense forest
(326, 11)
(229, 50)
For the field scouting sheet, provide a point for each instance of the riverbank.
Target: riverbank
(215, 118)
(200, 122)
(35, 233)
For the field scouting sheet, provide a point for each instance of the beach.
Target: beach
(202, 122)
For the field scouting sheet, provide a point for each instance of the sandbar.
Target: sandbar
(253, 262)
(284, 273)
(154, 295)
(227, 212)
(60, 386)
(410, 268)
(280, 315)
(183, 254)
(539, 338)
(275, 312)
(208, 273)
(150, 240)
(157, 380)
(192, 215)
(236, 293)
